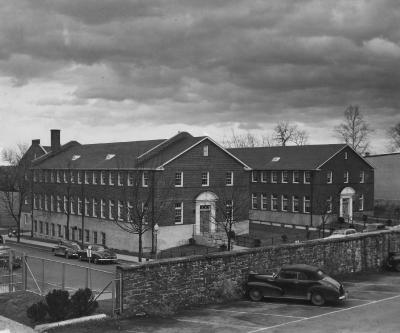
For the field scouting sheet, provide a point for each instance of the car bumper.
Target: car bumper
(344, 297)
(107, 259)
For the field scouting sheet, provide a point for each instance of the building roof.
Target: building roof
(308, 157)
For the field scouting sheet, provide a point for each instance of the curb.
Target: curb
(44, 327)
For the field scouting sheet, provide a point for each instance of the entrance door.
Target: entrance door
(345, 208)
(205, 215)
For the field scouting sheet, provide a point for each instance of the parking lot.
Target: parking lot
(373, 306)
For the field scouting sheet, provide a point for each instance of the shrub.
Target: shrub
(83, 303)
(37, 312)
(58, 305)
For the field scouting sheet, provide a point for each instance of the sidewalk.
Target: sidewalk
(7, 239)
(11, 326)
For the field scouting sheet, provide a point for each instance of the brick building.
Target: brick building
(182, 184)
(304, 185)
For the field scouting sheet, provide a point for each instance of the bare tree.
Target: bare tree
(300, 138)
(286, 133)
(232, 208)
(394, 137)
(18, 184)
(354, 130)
(247, 140)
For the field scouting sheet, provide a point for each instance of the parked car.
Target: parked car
(13, 232)
(99, 254)
(5, 257)
(67, 249)
(393, 261)
(342, 233)
(375, 227)
(296, 281)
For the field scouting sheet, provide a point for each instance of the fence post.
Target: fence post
(113, 289)
(63, 276)
(87, 278)
(10, 270)
(24, 273)
(43, 284)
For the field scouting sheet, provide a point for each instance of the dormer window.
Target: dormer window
(110, 156)
(205, 150)
(75, 157)
(276, 159)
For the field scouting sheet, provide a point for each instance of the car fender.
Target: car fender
(327, 292)
(264, 286)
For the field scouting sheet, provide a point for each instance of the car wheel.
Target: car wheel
(66, 255)
(95, 261)
(397, 267)
(317, 299)
(255, 294)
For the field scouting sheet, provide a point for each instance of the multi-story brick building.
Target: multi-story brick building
(88, 192)
(305, 185)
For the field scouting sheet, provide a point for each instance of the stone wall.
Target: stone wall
(176, 283)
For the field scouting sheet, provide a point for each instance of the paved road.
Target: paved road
(373, 306)
(46, 271)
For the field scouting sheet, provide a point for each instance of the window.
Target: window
(47, 228)
(229, 178)
(274, 176)
(41, 227)
(254, 176)
(111, 180)
(58, 176)
(35, 225)
(40, 201)
(65, 176)
(65, 231)
(58, 204)
(346, 177)
(79, 173)
(205, 178)
(274, 202)
(59, 230)
(102, 208)
(285, 203)
(129, 208)
(80, 234)
(296, 177)
(144, 213)
(307, 177)
(285, 176)
(361, 202)
(46, 206)
(263, 176)
(178, 213)
(345, 155)
(119, 178)
(94, 207)
(52, 176)
(295, 204)
(111, 209)
(120, 209)
(329, 177)
(65, 205)
(254, 201)
(179, 179)
(329, 205)
(26, 201)
(35, 201)
(103, 177)
(51, 203)
(87, 177)
(95, 178)
(46, 176)
(87, 236)
(205, 150)
(72, 174)
(362, 176)
(103, 238)
(87, 213)
(145, 179)
(263, 201)
(130, 179)
(95, 237)
(306, 205)
(79, 206)
(72, 209)
(53, 229)
(35, 176)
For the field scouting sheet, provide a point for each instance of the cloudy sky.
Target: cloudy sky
(122, 70)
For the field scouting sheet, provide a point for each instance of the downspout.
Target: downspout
(312, 197)
(152, 211)
(31, 185)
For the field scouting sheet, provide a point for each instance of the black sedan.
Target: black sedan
(67, 249)
(296, 282)
(97, 254)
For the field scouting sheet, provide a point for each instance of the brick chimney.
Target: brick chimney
(36, 142)
(55, 139)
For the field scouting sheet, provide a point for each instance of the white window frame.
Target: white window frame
(119, 179)
(304, 204)
(207, 173)
(86, 208)
(80, 206)
(102, 178)
(130, 179)
(263, 176)
(72, 206)
(329, 205)
(274, 198)
(361, 202)
(346, 156)
(46, 206)
(120, 209)
(94, 178)
(274, 174)
(94, 207)
(111, 178)
(295, 198)
(179, 176)
(65, 204)
(229, 178)
(362, 177)
(102, 208)
(178, 212)
(346, 177)
(264, 199)
(129, 209)
(65, 177)
(254, 201)
(87, 177)
(205, 150)
(145, 179)
(51, 203)
(294, 181)
(58, 176)
(58, 204)
(329, 177)
(72, 176)
(305, 178)
(283, 178)
(79, 177)
(254, 176)
(111, 205)
(284, 197)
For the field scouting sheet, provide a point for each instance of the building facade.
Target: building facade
(308, 185)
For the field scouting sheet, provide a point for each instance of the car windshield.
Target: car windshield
(339, 232)
(321, 274)
(98, 248)
(75, 246)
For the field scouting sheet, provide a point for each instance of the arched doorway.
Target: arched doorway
(346, 203)
(205, 212)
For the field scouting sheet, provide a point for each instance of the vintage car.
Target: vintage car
(296, 282)
(5, 257)
(67, 249)
(375, 227)
(97, 254)
(342, 233)
(393, 261)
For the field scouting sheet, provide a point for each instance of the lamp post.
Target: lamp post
(156, 229)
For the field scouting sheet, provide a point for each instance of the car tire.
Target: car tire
(397, 267)
(317, 299)
(255, 294)
(66, 255)
(96, 261)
